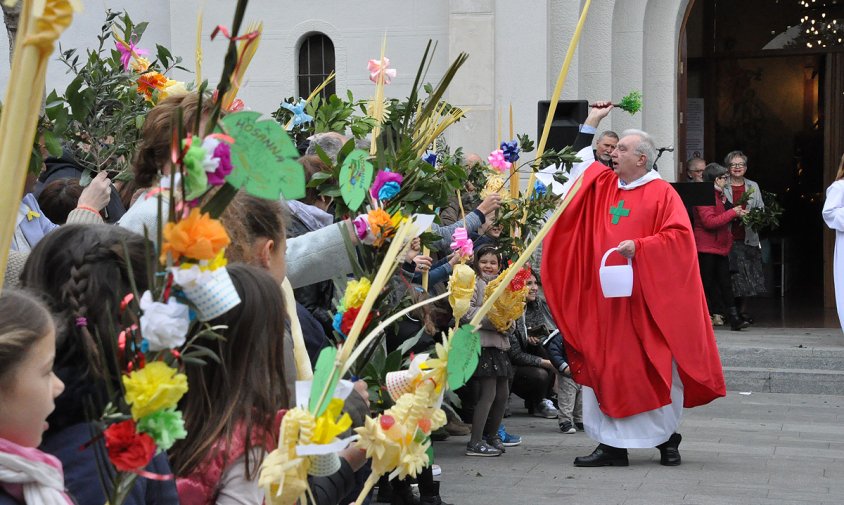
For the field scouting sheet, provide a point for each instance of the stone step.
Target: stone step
(808, 358)
(784, 380)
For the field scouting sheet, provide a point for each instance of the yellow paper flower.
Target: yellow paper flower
(495, 183)
(506, 308)
(462, 287)
(155, 387)
(331, 423)
(172, 88)
(356, 292)
(139, 64)
(413, 459)
(383, 451)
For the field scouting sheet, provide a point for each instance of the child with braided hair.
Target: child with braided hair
(85, 272)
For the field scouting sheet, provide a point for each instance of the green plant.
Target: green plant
(766, 218)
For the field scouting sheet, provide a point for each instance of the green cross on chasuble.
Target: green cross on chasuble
(618, 212)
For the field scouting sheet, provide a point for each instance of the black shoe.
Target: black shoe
(567, 428)
(669, 454)
(579, 426)
(403, 494)
(433, 499)
(736, 322)
(603, 455)
(746, 317)
(385, 490)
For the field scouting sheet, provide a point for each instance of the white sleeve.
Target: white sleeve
(236, 489)
(317, 256)
(587, 155)
(833, 207)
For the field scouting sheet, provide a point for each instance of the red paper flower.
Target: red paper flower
(518, 282)
(349, 319)
(128, 450)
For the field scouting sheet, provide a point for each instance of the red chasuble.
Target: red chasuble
(623, 347)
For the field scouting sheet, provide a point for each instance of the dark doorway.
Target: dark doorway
(752, 81)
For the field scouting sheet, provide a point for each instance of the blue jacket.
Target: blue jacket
(557, 352)
(81, 473)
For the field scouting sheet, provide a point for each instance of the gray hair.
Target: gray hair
(607, 133)
(330, 142)
(645, 146)
(713, 171)
(734, 154)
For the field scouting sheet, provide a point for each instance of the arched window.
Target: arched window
(316, 61)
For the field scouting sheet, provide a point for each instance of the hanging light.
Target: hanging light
(822, 23)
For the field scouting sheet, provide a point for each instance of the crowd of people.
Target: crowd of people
(77, 252)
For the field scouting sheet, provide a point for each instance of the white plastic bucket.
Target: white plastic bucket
(616, 281)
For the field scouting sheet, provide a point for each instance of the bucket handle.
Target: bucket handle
(607, 254)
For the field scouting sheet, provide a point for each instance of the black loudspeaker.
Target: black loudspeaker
(568, 116)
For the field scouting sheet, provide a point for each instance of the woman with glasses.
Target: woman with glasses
(714, 239)
(748, 279)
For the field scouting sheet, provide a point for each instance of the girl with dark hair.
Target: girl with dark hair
(84, 272)
(492, 376)
(28, 387)
(230, 409)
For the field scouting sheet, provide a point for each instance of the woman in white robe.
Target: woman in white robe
(833, 216)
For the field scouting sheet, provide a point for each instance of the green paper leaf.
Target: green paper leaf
(355, 178)
(323, 375)
(264, 158)
(463, 356)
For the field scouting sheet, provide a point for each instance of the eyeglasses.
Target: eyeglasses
(722, 176)
(738, 165)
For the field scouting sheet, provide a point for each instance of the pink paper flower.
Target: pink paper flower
(127, 52)
(377, 68)
(461, 242)
(498, 162)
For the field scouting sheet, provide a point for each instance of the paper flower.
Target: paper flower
(349, 317)
(149, 82)
(172, 88)
(356, 292)
(509, 306)
(383, 451)
(495, 184)
(139, 65)
(383, 178)
(546, 177)
(129, 51)
(196, 178)
(197, 237)
(164, 426)
(128, 450)
(431, 159)
(377, 68)
(164, 325)
(381, 225)
(539, 189)
(154, 387)
(518, 282)
(331, 423)
(298, 110)
(461, 242)
(362, 230)
(223, 155)
(462, 287)
(337, 322)
(413, 459)
(510, 150)
(498, 162)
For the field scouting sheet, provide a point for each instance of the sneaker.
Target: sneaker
(579, 426)
(496, 442)
(567, 428)
(508, 439)
(545, 409)
(481, 449)
(717, 320)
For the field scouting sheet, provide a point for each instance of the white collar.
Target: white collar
(650, 175)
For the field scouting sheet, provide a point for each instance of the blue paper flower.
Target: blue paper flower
(539, 189)
(338, 319)
(298, 110)
(511, 150)
(431, 158)
(388, 190)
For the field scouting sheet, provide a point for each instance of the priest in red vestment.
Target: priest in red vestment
(641, 358)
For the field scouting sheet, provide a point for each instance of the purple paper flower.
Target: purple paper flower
(511, 150)
(431, 159)
(223, 153)
(539, 189)
(383, 177)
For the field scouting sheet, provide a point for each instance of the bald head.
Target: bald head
(694, 169)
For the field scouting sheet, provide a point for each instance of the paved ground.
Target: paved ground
(743, 449)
